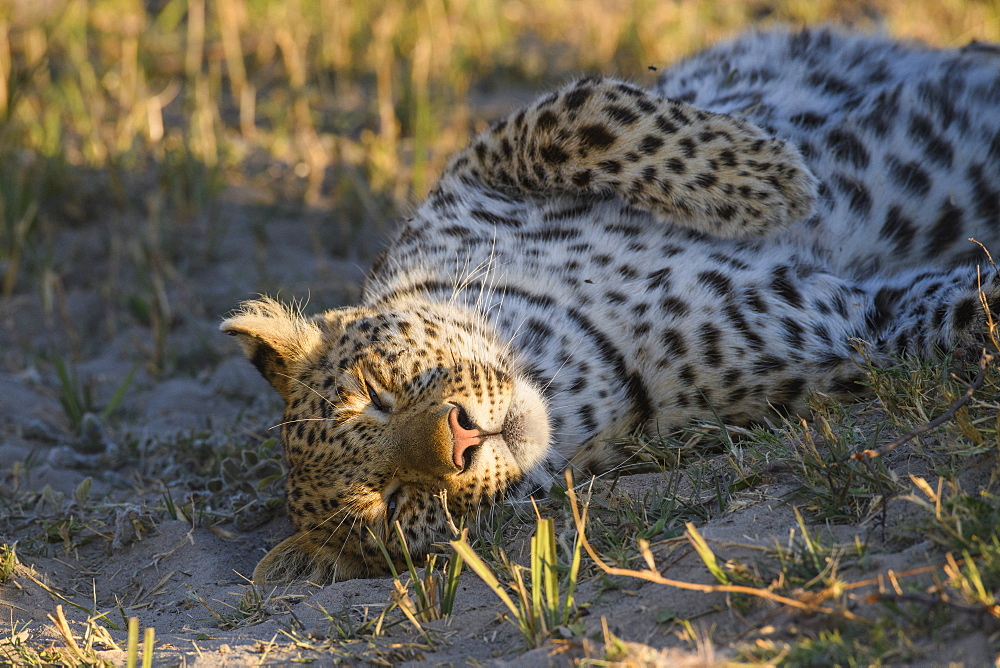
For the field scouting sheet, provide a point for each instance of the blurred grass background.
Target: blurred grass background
(353, 106)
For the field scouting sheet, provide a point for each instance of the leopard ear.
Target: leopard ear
(275, 337)
(285, 563)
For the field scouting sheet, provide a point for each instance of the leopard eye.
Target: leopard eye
(376, 399)
(393, 503)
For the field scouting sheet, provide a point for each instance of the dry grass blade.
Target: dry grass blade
(62, 626)
(704, 553)
(652, 575)
(406, 606)
(480, 568)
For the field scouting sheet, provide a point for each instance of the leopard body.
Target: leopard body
(611, 260)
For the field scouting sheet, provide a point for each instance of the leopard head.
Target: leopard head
(416, 416)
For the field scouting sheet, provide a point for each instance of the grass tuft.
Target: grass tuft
(435, 592)
(8, 561)
(546, 606)
(832, 486)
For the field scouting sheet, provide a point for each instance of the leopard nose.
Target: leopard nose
(464, 434)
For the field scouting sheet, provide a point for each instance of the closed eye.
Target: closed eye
(393, 503)
(376, 400)
(375, 397)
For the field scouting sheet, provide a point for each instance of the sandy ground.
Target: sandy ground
(197, 434)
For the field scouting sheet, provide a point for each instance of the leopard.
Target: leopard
(612, 260)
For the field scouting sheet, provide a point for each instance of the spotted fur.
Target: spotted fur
(611, 259)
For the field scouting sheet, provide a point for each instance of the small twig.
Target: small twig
(933, 601)
(652, 575)
(876, 581)
(949, 414)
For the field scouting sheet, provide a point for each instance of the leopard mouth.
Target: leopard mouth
(471, 456)
(518, 445)
(512, 434)
(513, 430)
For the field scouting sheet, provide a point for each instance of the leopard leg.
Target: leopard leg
(925, 312)
(714, 173)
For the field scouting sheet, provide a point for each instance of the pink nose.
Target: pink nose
(463, 438)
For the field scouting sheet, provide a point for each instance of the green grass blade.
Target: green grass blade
(147, 648)
(132, 652)
(68, 392)
(119, 395)
(536, 570)
(385, 553)
(706, 554)
(449, 584)
(418, 586)
(574, 573)
(550, 572)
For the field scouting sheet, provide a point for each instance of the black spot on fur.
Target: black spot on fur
(754, 301)
(679, 116)
(576, 97)
(595, 136)
(884, 111)
(829, 84)
(689, 147)
(717, 282)
(909, 176)
(725, 212)
(546, 120)
(899, 228)
(847, 386)
(767, 364)
(636, 389)
(586, 415)
(946, 230)
(706, 180)
(986, 199)
(710, 336)
(884, 308)
(673, 343)
(921, 131)
(808, 120)
(615, 297)
(788, 391)
(846, 147)
(674, 306)
(785, 288)
(610, 166)
(553, 154)
(965, 313)
(621, 114)
(650, 144)
(793, 333)
(666, 127)
(494, 219)
(658, 279)
(859, 199)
